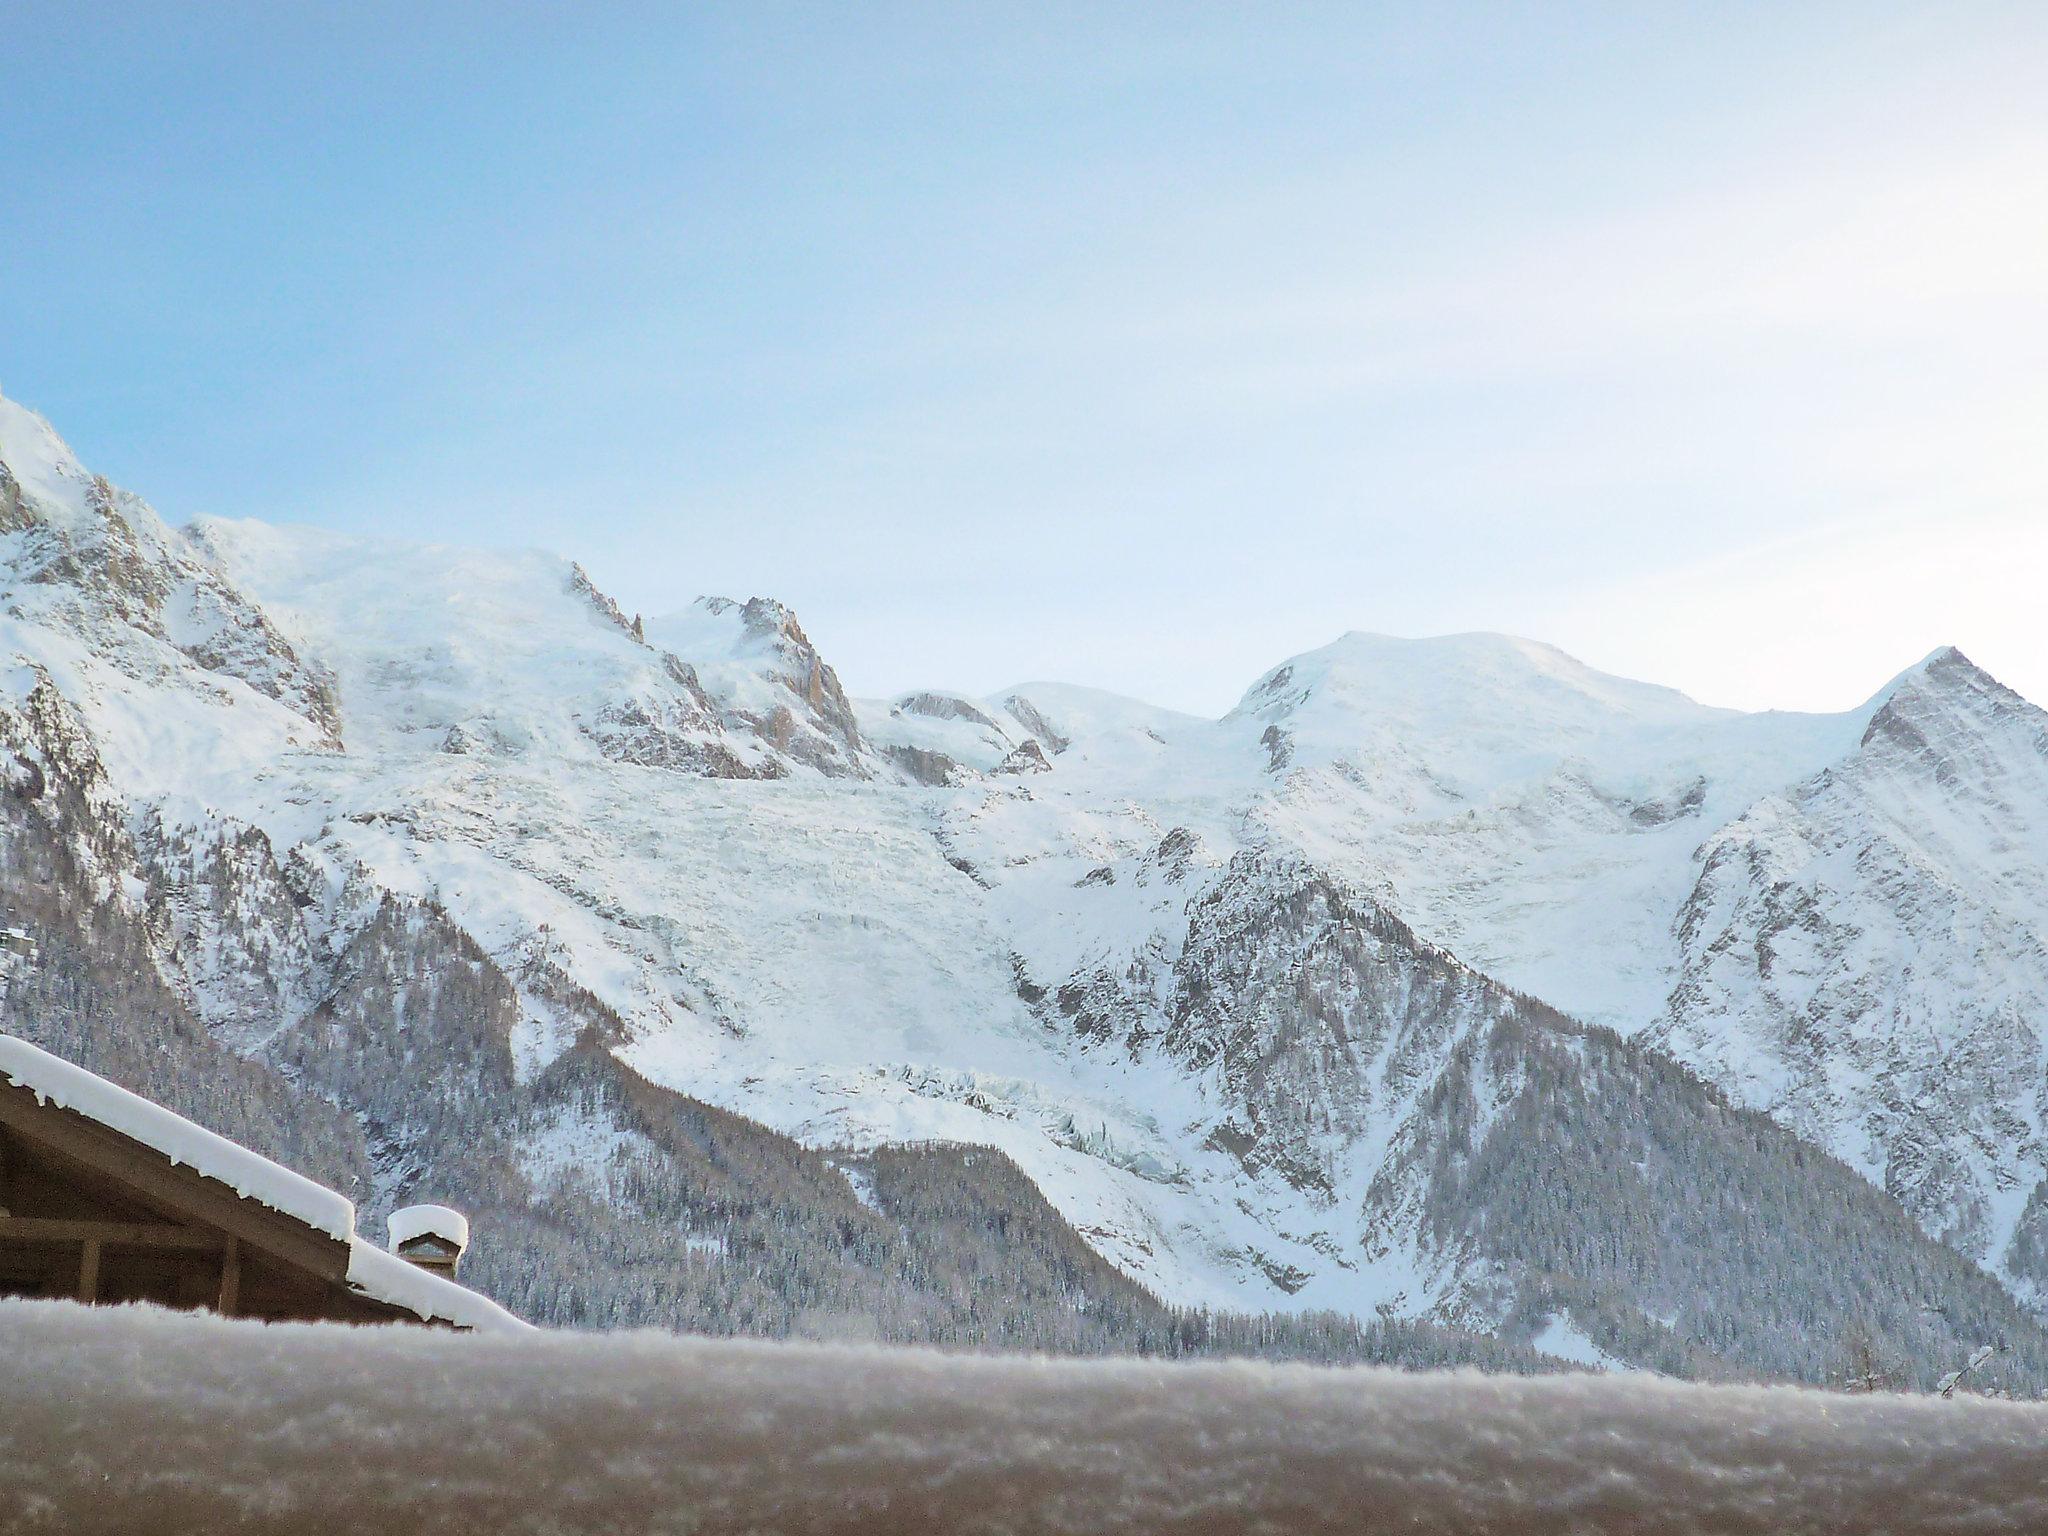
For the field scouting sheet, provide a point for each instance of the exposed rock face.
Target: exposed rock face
(672, 722)
(232, 925)
(803, 671)
(944, 706)
(603, 604)
(101, 563)
(1319, 1013)
(765, 677)
(1026, 714)
(1026, 757)
(673, 732)
(925, 766)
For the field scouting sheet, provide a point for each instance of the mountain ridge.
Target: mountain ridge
(1210, 984)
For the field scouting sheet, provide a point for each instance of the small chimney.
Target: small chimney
(431, 1236)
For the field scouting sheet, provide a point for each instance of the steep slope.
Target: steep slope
(1589, 1181)
(83, 556)
(1865, 958)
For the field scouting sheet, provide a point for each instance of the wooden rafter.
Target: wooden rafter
(119, 1234)
(179, 1191)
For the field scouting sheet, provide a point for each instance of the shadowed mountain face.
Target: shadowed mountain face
(1283, 1011)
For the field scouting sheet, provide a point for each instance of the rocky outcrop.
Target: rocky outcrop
(1027, 757)
(1027, 714)
(770, 679)
(101, 562)
(944, 706)
(922, 765)
(1316, 1011)
(673, 732)
(602, 604)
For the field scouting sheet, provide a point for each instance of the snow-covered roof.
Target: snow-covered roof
(424, 1220)
(387, 1278)
(371, 1271)
(254, 1177)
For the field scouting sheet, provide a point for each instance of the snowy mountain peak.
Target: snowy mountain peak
(1943, 691)
(1448, 720)
(37, 463)
(1865, 957)
(84, 521)
(138, 604)
(1452, 680)
(756, 661)
(760, 626)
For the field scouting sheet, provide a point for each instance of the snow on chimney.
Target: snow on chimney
(431, 1236)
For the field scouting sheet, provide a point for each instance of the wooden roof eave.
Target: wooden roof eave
(183, 1191)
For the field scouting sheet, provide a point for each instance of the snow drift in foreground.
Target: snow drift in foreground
(136, 1420)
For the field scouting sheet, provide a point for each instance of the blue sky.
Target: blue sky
(1138, 346)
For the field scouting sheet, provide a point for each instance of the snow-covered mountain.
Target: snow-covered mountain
(1249, 999)
(1864, 955)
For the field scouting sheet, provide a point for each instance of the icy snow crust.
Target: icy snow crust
(275, 1429)
(858, 960)
(55, 1081)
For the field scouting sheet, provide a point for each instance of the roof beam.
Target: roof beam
(119, 1234)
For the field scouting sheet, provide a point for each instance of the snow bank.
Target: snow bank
(237, 1427)
(56, 1081)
